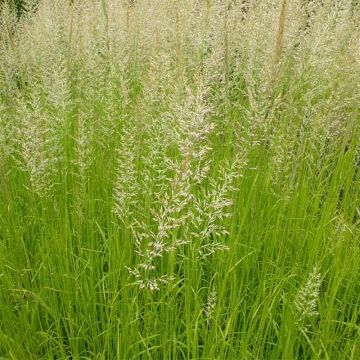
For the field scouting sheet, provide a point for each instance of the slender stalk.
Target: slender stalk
(280, 37)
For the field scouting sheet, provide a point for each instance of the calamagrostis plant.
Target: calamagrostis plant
(126, 186)
(308, 295)
(280, 36)
(6, 133)
(282, 147)
(32, 138)
(174, 208)
(83, 157)
(191, 126)
(210, 305)
(215, 207)
(83, 146)
(7, 24)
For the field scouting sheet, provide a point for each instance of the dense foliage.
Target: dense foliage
(180, 180)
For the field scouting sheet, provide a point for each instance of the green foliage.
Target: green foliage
(180, 180)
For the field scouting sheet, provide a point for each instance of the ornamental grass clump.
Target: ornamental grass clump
(179, 179)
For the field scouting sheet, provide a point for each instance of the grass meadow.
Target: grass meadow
(180, 180)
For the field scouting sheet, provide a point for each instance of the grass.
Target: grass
(180, 180)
